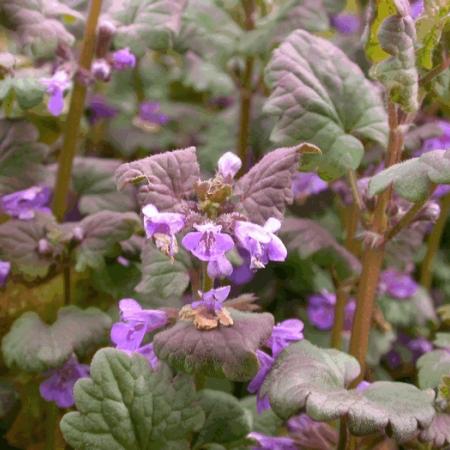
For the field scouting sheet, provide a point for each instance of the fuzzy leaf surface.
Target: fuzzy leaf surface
(320, 96)
(161, 279)
(34, 346)
(308, 238)
(167, 178)
(228, 352)
(398, 73)
(412, 179)
(127, 406)
(143, 24)
(102, 233)
(432, 367)
(438, 432)
(226, 420)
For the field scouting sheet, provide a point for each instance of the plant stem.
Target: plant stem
(76, 108)
(407, 218)
(66, 281)
(373, 257)
(246, 92)
(436, 71)
(434, 240)
(354, 187)
(207, 282)
(339, 316)
(50, 426)
(343, 434)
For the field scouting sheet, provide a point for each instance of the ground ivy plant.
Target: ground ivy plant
(223, 224)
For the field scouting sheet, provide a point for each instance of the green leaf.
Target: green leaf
(432, 367)
(320, 96)
(429, 28)
(398, 73)
(440, 86)
(381, 10)
(308, 238)
(228, 352)
(21, 156)
(93, 180)
(442, 340)
(34, 346)
(102, 233)
(438, 432)
(265, 422)
(412, 179)
(146, 24)
(127, 406)
(226, 420)
(37, 23)
(163, 280)
(380, 342)
(307, 378)
(29, 92)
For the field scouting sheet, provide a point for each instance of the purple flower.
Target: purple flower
(416, 8)
(441, 190)
(24, 204)
(219, 268)
(149, 112)
(101, 70)
(265, 364)
(309, 433)
(261, 242)
(100, 109)
(362, 386)
(397, 284)
(207, 243)
(58, 387)
(229, 165)
(321, 310)
(56, 85)
(283, 334)
(305, 184)
(418, 347)
(129, 334)
(346, 23)
(149, 354)
(242, 274)
(212, 300)
(437, 142)
(123, 59)
(393, 359)
(162, 226)
(123, 261)
(272, 442)
(5, 268)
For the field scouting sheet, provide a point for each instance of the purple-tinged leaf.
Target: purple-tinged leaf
(167, 178)
(412, 179)
(266, 188)
(101, 236)
(34, 346)
(228, 352)
(438, 433)
(21, 157)
(320, 96)
(308, 238)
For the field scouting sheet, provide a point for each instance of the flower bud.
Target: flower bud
(44, 247)
(105, 34)
(101, 70)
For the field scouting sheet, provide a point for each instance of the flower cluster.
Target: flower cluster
(128, 334)
(210, 237)
(397, 284)
(283, 334)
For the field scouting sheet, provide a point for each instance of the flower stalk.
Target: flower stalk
(76, 108)
(373, 256)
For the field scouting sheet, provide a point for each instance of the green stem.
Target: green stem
(434, 240)
(343, 434)
(66, 281)
(207, 282)
(76, 108)
(246, 92)
(354, 188)
(138, 84)
(51, 423)
(339, 316)
(373, 256)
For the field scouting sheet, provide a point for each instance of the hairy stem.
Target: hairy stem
(373, 256)
(246, 92)
(76, 108)
(434, 240)
(354, 188)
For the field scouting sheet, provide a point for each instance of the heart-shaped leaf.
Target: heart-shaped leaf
(266, 188)
(398, 73)
(34, 346)
(310, 239)
(228, 352)
(226, 420)
(432, 367)
(21, 157)
(28, 91)
(412, 179)
(442, 340)
(143, 24)
(311, 379)
(102, 233)
(162, 279)
(168, 178)
(320, 96)
(266, 421)
(125, 405)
